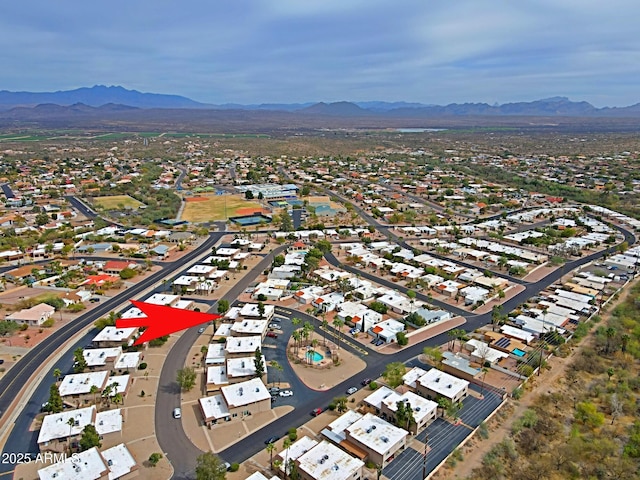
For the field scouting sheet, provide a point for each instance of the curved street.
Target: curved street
(20, 438)
(181, 451)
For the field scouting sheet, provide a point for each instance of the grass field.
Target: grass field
(212, 208)
(116, 202)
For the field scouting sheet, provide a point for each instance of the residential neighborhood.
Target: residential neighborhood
(370, 318)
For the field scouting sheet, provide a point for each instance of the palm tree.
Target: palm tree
(270, 448)
(94, 390)
(610, 332)
(57, 374)
(286, 444)
(204, 350)
(296, 335)
(71, 422)
(325, 327)
(337, 323)
(485, 370)
(452, 338)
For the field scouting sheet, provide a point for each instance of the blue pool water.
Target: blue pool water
(315, 356)
(518, 352)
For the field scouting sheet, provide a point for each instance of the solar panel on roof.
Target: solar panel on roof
(503, 342)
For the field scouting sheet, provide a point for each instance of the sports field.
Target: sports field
(116, 202)
(208, 208)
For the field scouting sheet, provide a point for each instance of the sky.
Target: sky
(293, 51)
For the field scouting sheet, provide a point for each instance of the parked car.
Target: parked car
(379, 342)
(201, 330)
(352, 390)
(365, 382)
(272, 335)
(274, 390)
(286, 393)
(316, 411)
(274, 325)
(177, 412)
(94, 300)
(272, 439)
(354, 330)
(374, 340)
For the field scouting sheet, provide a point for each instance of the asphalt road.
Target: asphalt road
(81, 207)
(20, 439)
(6, 189)
(180, 451)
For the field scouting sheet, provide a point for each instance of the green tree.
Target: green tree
(393, 373)
(258, 362)
(286, 223)
(127, 273)
(90, 438)
(223, 306)
(186, 378)
(434, 354)
(54, 404)
(79, 364)
(341, 404)
(587, 413)
(57, 374)
(278, 261)
(210, 467)
(154, 458)
(402, 339)
(261, 309)
(42, 219)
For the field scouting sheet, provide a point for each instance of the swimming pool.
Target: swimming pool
(314, 356)
(518, 353)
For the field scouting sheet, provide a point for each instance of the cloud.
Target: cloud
(290, 51)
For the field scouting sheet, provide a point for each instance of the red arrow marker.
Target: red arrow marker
(161, 320)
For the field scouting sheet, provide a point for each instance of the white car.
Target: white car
(286, 393)
(177, 412)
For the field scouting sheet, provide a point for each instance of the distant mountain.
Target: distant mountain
(116, 99)
(97, 96)
(337, 109)
(386, 106)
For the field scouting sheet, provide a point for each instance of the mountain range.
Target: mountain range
(119, 98)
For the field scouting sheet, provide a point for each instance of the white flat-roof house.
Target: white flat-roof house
(385, 403)
(387, 330)
(242, 346)
(325, 461)
(114, 336)
(246, 398)
(377, 437)
(436, 384)
(57, 428)
(214, 409)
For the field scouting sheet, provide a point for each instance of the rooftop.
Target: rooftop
(376, 433)
(327, 462)
(245, 393)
